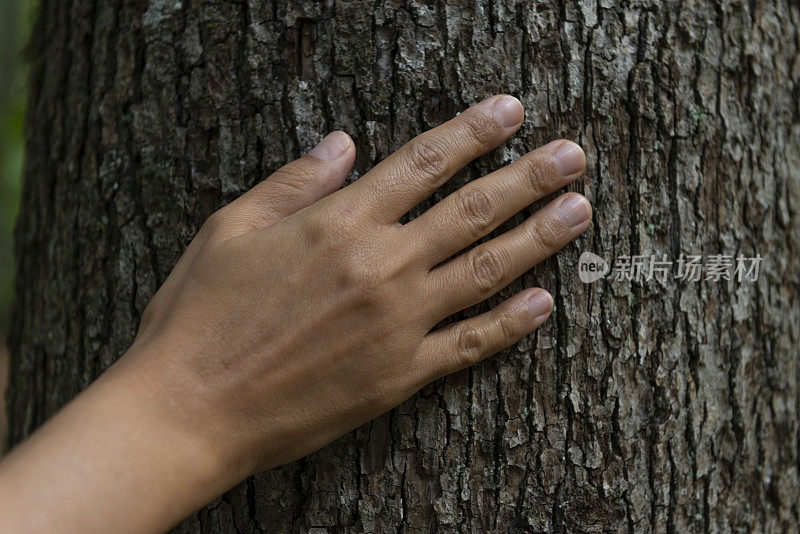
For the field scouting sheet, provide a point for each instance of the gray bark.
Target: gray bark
(638, 407)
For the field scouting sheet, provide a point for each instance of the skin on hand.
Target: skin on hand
(293, 319)
(301, 310)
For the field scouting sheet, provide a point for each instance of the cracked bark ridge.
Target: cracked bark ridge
(639, 407)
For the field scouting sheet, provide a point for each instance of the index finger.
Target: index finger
(422, 165)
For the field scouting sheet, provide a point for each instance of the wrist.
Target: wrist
(171, 406)
(121, 453)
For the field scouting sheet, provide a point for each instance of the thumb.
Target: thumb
(292, 187)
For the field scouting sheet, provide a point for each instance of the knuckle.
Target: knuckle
(315, 229)
(507, 323)
(546, 235)
(487, 271)
(363, 275)
(535, 171)
(477, 209)
(480, 127)
(428, 158)
(330, 226)
(293, 176)
(470, 345)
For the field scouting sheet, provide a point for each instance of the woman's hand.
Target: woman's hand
(292, 318)
(299, 313)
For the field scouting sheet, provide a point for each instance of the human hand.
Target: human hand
(296, 315)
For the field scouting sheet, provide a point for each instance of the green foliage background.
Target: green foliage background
(15, 19)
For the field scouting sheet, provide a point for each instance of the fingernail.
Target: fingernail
(540, 305)
(508, 111)
(332, 146)
(569, 159)
(574, 210)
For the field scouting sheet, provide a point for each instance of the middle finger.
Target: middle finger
(480, 206)
(486, 269)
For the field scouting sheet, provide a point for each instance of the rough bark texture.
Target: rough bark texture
(639, 407)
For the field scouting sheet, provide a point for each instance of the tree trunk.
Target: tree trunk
(642, 405)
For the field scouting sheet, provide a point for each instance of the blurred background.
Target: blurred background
(15, 22)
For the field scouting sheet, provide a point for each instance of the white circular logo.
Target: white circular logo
(592, 267)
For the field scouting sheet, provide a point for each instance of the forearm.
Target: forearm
(114, 459)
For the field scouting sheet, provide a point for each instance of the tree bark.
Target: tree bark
(640, 406)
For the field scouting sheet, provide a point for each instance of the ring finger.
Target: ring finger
(482, 205)
(484, 270)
